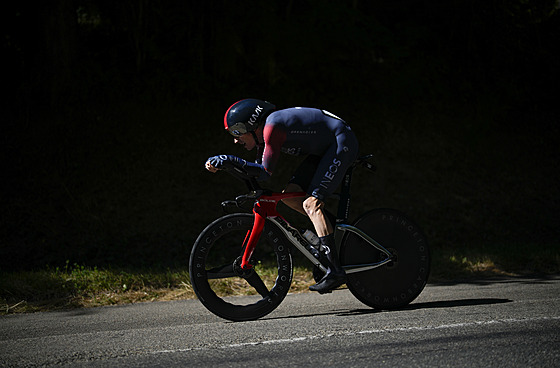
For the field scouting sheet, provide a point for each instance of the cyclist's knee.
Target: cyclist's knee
(313, 206)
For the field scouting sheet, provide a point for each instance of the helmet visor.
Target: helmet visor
(237, 129)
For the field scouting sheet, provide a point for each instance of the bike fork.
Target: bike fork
(254, 237)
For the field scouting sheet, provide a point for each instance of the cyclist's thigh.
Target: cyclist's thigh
(303, 175)
(295, 203)
(332, 168)
(293, 188)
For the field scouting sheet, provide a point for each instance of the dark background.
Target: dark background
(112, 107)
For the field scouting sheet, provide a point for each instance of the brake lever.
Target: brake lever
(240, 200)
(229, 203)
(253, 196)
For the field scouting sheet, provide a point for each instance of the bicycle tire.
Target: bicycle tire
(397, 283)
(215, 253)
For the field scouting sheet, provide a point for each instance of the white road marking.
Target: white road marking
(365, 332)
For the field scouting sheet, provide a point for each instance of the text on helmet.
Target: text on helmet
(255, 116)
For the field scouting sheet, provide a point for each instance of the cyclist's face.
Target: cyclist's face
(246, 140)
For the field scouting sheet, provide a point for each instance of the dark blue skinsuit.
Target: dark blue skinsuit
(330, 143)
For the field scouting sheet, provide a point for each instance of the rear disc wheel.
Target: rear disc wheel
(398, 282)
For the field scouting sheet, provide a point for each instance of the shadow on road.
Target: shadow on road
(436, 304)
(528, 279)
(426, 305)
(456, 303)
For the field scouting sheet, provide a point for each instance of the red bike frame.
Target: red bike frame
(264, 207)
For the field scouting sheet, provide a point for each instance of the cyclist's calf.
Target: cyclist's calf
(315, 209)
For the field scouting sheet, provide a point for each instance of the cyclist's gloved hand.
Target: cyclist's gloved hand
(251, 168)
(224, 161)
(218, 161)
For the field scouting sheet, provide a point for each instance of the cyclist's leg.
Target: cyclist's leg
(333, 165)
(315, 209)
(301, 181)
(329, 175)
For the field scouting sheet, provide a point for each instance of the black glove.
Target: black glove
(252, 169)
(218, 161)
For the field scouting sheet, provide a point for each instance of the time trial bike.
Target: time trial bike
(383, 252)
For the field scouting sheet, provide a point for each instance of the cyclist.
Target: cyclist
(330, 145)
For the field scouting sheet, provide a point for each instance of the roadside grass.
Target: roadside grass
(77, 286)
(495, 260)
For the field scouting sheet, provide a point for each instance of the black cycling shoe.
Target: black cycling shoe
(335, 275)
(329, 282)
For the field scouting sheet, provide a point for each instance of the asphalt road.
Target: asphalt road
(496, 323)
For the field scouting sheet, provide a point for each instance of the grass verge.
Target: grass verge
(496, 260)
(76, 286)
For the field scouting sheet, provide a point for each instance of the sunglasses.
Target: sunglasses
(237, 130)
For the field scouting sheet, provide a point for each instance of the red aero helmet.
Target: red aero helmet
(246, 115)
